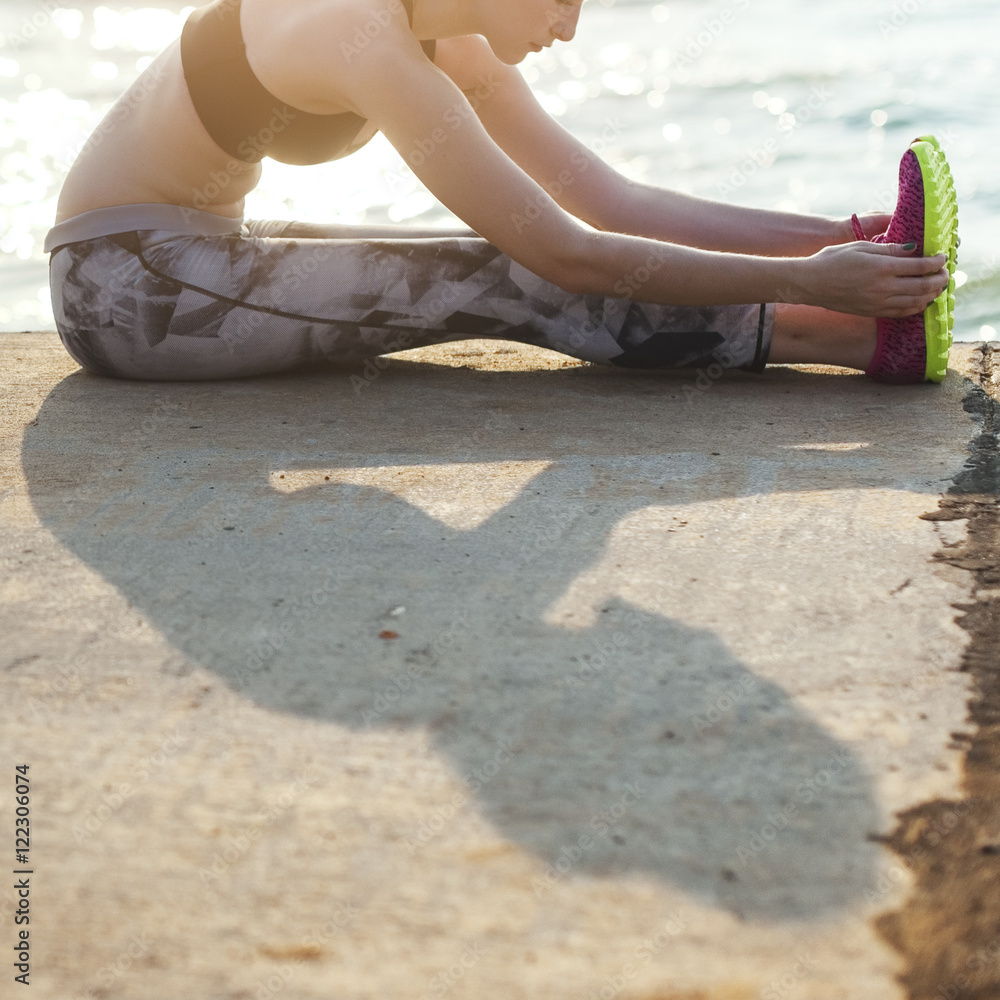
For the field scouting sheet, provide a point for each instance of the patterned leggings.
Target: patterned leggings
(279, 296)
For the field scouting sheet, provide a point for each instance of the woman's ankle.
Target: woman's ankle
(809, 335)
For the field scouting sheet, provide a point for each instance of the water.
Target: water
(803, 107)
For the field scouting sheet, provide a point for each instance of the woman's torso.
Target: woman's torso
(153, 147)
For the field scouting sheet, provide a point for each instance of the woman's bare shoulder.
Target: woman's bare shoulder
(306, 52)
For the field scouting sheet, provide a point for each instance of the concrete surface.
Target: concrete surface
(481, 674)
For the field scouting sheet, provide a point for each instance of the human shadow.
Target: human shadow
(633, 746)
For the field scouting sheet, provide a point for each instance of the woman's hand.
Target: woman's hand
(873, 279)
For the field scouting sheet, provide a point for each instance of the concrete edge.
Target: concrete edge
(947, 931)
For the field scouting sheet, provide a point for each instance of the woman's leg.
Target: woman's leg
(811, 335)
(160, 305)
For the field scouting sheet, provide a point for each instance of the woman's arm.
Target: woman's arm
(590, 189)
(647, 210)
(429, 120)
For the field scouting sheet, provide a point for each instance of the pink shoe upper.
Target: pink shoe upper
(907, 223)
(901, 350)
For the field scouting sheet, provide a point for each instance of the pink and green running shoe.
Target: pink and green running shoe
(915, 348)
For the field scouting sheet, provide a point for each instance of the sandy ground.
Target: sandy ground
(484, 674)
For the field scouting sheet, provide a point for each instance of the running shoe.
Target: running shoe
(915, 348)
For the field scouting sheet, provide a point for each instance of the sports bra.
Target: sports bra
(240, 115)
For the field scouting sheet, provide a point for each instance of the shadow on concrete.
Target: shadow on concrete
(635, 746)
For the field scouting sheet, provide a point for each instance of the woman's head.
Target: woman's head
(516, 27)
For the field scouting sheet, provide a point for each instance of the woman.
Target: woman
(155, 275)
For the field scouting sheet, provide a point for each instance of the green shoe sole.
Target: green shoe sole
(940, 236)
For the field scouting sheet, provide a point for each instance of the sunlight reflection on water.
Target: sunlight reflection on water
(804, 109)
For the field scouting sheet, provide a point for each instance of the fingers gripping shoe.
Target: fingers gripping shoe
(915, 348)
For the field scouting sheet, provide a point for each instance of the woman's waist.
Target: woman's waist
(179, 219)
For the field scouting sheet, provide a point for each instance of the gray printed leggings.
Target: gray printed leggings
(279, 296)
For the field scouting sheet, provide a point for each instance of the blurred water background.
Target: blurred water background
(800, 106)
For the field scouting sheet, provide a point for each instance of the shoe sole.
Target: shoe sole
(940, 236)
